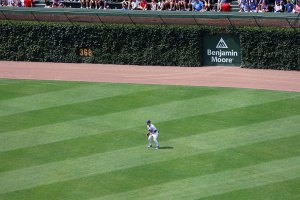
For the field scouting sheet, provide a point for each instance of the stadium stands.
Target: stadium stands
(115, 14)
(113, 4)
(110, 16)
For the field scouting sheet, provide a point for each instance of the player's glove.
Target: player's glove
(148, 134)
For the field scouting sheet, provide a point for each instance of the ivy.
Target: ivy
(273, 48)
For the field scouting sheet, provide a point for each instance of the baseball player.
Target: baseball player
(152, 134)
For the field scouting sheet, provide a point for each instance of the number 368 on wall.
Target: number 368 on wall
(85, 52)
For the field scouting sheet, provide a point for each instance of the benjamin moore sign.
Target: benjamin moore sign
(221, 50)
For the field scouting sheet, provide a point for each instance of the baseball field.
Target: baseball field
(72, 140)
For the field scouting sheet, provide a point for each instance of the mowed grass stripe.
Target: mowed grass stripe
(218, 183)
(167, 171)
(133, 117)
(12, 89)
(88, 125)
(98, 107)
(127, 158)
(68, 96)
(108, 141)
(288, 190)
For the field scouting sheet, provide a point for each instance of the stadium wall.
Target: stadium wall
(272, 48)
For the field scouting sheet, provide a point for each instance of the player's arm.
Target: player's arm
(148, 134)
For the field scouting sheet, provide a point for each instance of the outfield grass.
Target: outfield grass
(76, 140)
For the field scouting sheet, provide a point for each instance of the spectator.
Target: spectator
(103, 4)
(84, 3)
(278, 7)
(198, 5)
(134, 4)
(263, 6)
(242, 5)
(181, 5)
(153, 5)
(87, 3)
(28, 3)
(129, 4)
(97, 4)
(55, 4)
(47, 4)
(92, 3)
(18, 3)
(190, 5)
(297, 7)
(225, 6)
(9, 2)
(160, 5)
(282, 3)
(184, 4)
(173, 4)
(178, 5)
(143, 5)
(125, 5)
(247, 7)
(81, 3)
(289, 7)
(252, 6)
(219, 5)
(208, 5)
(167, 5)
(204, 7)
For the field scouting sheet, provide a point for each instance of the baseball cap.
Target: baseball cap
(148, 121)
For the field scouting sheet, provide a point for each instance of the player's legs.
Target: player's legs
(155, 135)
(150, 140)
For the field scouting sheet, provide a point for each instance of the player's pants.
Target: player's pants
(154, 137)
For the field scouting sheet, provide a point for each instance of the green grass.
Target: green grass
(76, 140)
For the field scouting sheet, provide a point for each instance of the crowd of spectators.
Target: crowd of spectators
(96, 4)
(177, 5)
(30, 3)
(17, 3)
(289, 6)
(277, 6)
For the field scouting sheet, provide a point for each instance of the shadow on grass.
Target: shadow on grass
(166, 147)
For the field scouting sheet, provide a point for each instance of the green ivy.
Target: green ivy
(270, 48)
(273, 48)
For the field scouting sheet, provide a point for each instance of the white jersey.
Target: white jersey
(151, 128)
(153, 135)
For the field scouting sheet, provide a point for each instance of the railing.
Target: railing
(118, 16)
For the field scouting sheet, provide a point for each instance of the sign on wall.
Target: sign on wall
(221, 50)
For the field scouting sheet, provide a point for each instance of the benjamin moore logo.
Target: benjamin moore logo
(221, 44)
(219, 52)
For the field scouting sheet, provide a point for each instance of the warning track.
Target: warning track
(194, 76)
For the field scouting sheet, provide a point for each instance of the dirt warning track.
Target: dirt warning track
(194, 76)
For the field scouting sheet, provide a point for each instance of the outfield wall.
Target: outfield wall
(275, 48)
